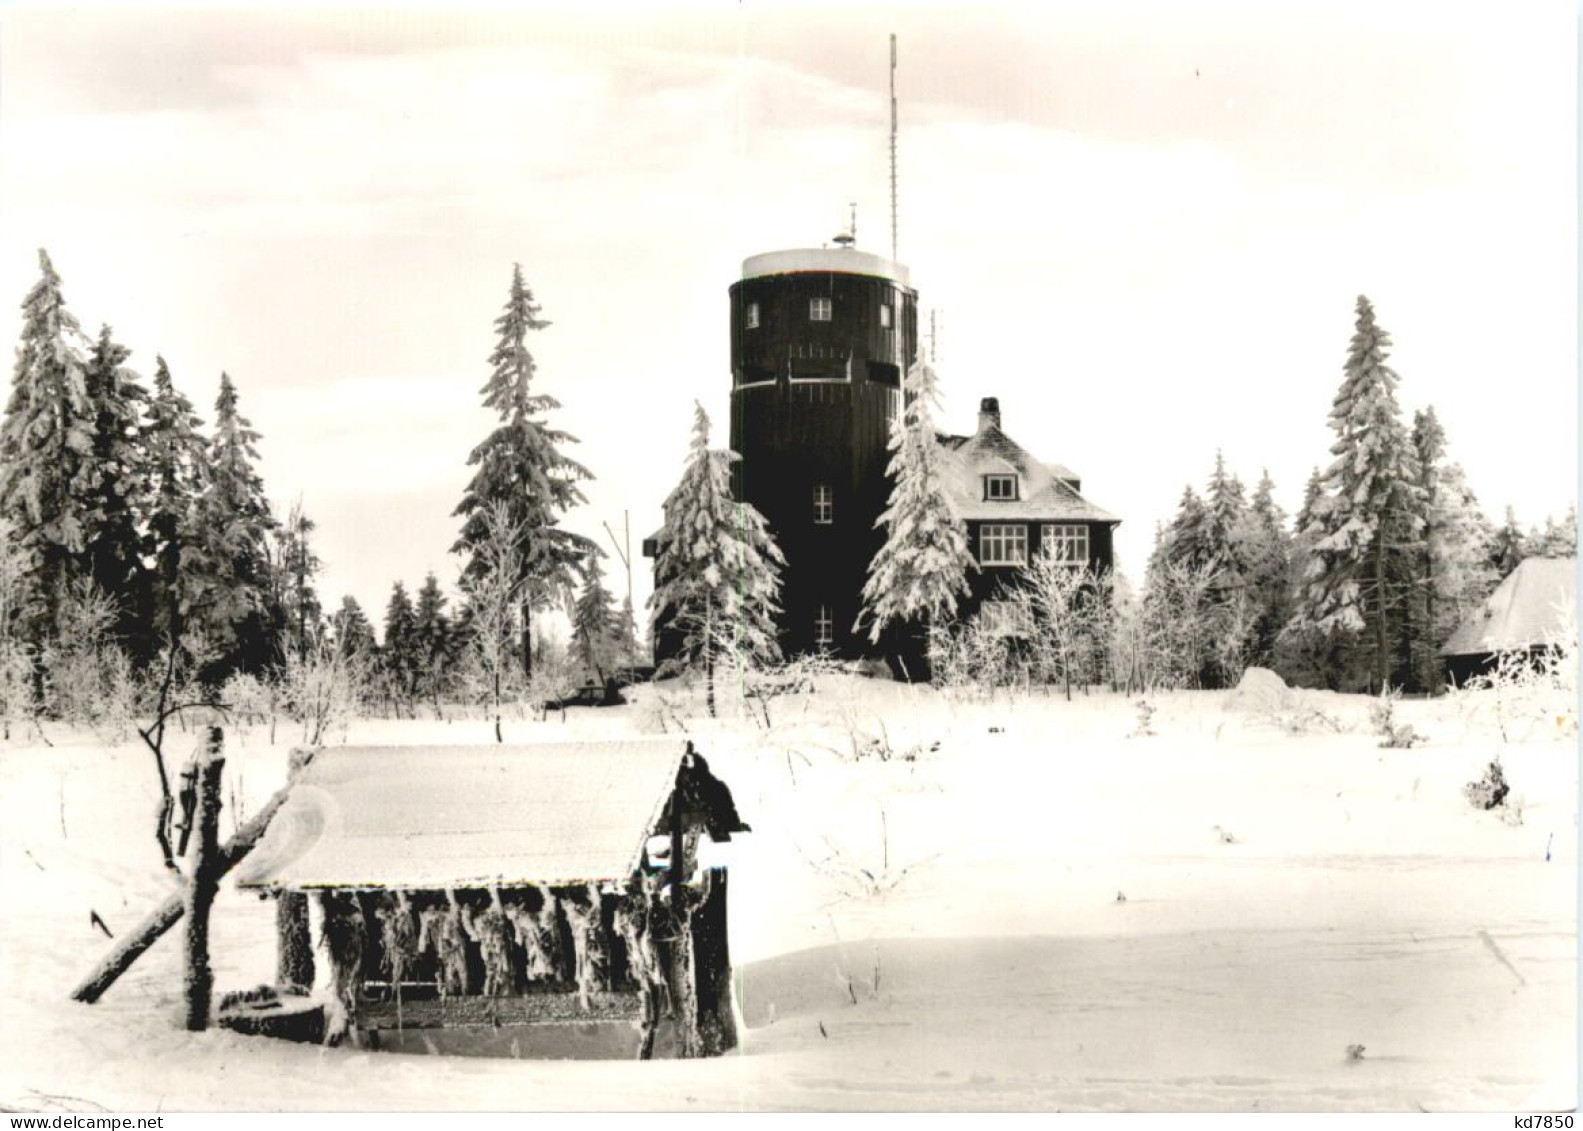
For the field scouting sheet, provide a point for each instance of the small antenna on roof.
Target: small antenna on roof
(848, 238)
(893, 145)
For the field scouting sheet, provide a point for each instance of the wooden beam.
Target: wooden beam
(521, 1009)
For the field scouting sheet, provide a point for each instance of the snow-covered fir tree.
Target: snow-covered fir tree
(233, 530)
(401, 655)
(1266, 549)
(293, 599)
(433, 649)
(1558, 539)
(1454, 555)
(1225, 514)
(1368, 520)
(177, 456)
(594, 644)
(1508, 546)
(521, 464)
(352, 632)
(716, 577)
(629, 646)
(920, 572)
(1186, 541)
(116, 487)
(45, 440)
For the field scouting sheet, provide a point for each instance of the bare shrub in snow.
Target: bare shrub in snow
(1534, 692)
(252, 701)
(1490, 791)
(555, 679)
(18, 700)
(765, 683)
(322, 687)
(492, 592)
(1393, 735)
(87, 678)
(1144, 729)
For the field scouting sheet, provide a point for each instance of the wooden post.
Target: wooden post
(294, 942)
(203, 880)
(164, 917)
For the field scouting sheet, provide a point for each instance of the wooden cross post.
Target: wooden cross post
(203, 880)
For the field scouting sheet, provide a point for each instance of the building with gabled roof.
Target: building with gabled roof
(1530, 610)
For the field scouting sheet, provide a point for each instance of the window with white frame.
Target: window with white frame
(1003, 543)
(753, 316)
(884, 316)
(1000, 486)
(999, 618)
(818, 310)
(823, 505)
(824, 628)
(1067, 541)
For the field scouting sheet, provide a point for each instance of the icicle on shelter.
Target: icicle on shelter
(549, 899)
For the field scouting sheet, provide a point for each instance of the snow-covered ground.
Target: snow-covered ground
(942, 929)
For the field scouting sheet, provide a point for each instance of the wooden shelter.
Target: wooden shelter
(1528, 612)
(495, 888)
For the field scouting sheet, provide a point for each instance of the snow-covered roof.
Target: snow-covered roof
(1044, 493)
(466, 816)
(839, 260)
(1527, 610)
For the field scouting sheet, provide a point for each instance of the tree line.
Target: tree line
(138, 545)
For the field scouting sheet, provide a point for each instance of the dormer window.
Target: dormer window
(753, 316)
(818, 310)
(1001, 487)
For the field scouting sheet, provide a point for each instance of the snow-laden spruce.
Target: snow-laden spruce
(595, 645)
(521, 464)
(45, 442)
(115, 481)
(230, 559)
(920, 572)
(177, 462)
(716, 578)
(1368, 517)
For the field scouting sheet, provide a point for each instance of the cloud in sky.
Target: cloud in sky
(1145, 225)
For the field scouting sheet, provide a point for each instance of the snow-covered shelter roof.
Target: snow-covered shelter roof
(1527, 610)
(426, 817)
(1043, 493)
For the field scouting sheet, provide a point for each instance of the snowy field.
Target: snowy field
(944, 928)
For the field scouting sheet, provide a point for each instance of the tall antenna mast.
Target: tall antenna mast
(893, 145)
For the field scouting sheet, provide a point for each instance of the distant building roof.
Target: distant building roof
(1525, 611)
(467, 816)
(1046, 491)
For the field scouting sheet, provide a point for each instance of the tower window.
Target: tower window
(1003, 543)
(1000, 486)
(1067, 541)
(824, 628)
(823, 505)
(818, 310)
(884, 315)
(753, 316)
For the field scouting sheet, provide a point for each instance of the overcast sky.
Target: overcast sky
(1144, 225)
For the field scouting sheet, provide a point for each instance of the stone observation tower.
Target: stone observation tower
(820, 341)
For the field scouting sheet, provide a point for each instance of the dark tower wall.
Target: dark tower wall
(811, 406)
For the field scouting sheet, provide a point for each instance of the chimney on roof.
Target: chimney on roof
(988, 413)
